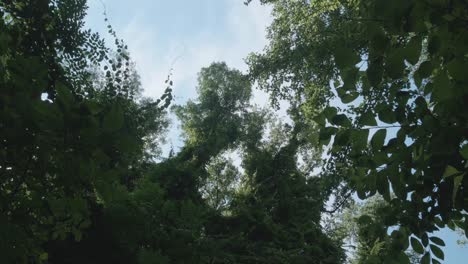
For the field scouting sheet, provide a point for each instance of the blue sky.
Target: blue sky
(189, 34)
(185, 35)
(193, 33)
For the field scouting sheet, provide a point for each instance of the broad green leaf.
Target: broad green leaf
(347, 94)
(437, 252)
(320, 119)
(457, 69)
(374, 74)
(395, 65)
(326, 133)
(442, 89)
(379, 157)
(450, 171)
(382, 185)
(380, 41)
(349, 97)
(330, 112)
(349, 77)
(341, 120)
(345, 57)
(425, 69)
(342, 138)
(413, 50)
(378, 139)
(387, 115)
(359, 138)
(367, 119)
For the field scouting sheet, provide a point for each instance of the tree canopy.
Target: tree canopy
(384, 81)
(377, 111)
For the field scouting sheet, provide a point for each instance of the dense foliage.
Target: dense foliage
(69, 139)
(79, 182)
(379, 84)
(386, 82)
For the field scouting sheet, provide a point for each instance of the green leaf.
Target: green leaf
(367, 119)
(403, 258)
(450, 171)
(382, 185)
(439, 222)
(413, 50)
(437, 252)
(387, 115)
(425, 69)
(330, 112)
(349, 97)
(425, 240)
(378, 139)
(346, 94)
(341, 120)
(326, 134)
(442, 89)
(437, 241)
(320, 119)
(435, 261)
(359, 138)
(457, 69)
(395, 65)
(342, 138)
(374, 74)
(434, 44)
(456, 185)
(345, 57)
(417, 246)
(426, 259)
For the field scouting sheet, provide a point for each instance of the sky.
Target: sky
(186, 35)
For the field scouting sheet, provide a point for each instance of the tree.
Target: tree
(363, 227)
(66, 144)
(79, 184)
(400, 126)
(197, 207)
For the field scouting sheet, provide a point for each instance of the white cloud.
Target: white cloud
(244, 33)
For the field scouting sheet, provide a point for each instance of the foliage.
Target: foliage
(384, 81)
(66, 143)
(363, 227)
(193, 210)
(79, 182)
(379, 84)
